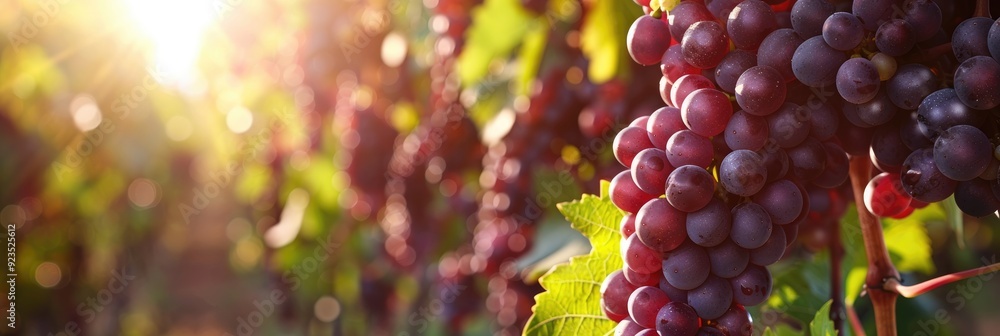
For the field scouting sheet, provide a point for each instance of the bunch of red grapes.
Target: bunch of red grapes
(766, 103)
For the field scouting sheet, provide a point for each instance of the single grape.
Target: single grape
(615, 292)
(676, 318)
(742, 172)
(690, 188)
(704, 44)
(888, 151)
(823, 121)
(647, 40)
(661, 226)
(911, 84)
(962, 152)
(760, 90)
(843, 31)
(687, 266)
(778, 50)
(808, 16)
(625, 194)
(977, 82)
(712, 298)
(922, 179)
(789, 126)
(629, 142)
(783, 201)
(688, 148)
(942, 110)
(746, 131)
(815, 63)
(751, 226)
(993, 40)
(662, 124)
(776, 161)
(665, 88)
(873, 12)
(751, 287)
(641, 279)
(686, 14)
(732, 66)
(710, 225)
(858, 80)
(644, 303)
(650, 169)
(728, 259)
(735, 322)
(970, 38)
(875, 112)
(675, 294)
(924, 17)
(885, 64)
(885, 196)
(975, 198)
(706, 112)
(749, 23)
(673, 66)
(895, 37)
(638, 256)
(612, 316)
(771, 251)
(687, 84)
(808, 159)
(837, 167)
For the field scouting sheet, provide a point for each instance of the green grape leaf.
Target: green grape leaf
(571, 303)
(800, 287)
(531, 54)
(497, 27)
(602, 37)
(821, 325)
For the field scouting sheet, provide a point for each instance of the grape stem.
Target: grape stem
(982, 8)
(880, 267)
(926, 286)
(852, 317)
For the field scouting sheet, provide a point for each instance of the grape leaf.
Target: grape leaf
(821, 325)
(602, 37)
(497, 27)
(571, 303)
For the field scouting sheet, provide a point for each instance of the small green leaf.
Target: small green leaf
(498, 26)
(821, 325)
(602, 37)
(571, 303)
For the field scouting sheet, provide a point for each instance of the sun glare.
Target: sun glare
(176, 30)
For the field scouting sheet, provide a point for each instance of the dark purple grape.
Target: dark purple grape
(749, 23)
(751, 226)
(706, 112)
(922, 179)
(888, 151)
(661, 226)
(732, 66)
(911, 134)
(993, 40)
(650, 169)
(815, 63)
(688, 148)
(823, 121)
(710, 331)
(721, 8)
(791, 232)
(873, 12)
(662, 124)
(875, 112)
(648, 38)
(760, 90)
(690, 188)
(742, 172)
(924, 17)
(629, 142)
(687, 84)
(771, 251)
(808, 159)
(710, 225)
(837, 167)
(975, 198)
(911, 83)
(735, 322)
(895, 38)
(673, 66)
(677, 318)
(728, 259)
(843, 31)
(627, 327)
(776, 161)
(977, 82)
(751, 287)
(942, 110)
(644, 303)
(783, 201)
(704, 44)
(962, 152)
(625, 194)
(638, 256)
(675, 295)
(858, 80)
(712, 298)
(970, 38)
(687, 266)
(777, 51)
(615, 291)
(686, 14)
(746, 131)
(808, 15)
(789, 126)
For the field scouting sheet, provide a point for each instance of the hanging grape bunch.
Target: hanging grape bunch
(766, 104)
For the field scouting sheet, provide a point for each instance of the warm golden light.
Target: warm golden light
(176, 29)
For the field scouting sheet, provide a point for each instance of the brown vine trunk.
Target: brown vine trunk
(880, 267)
